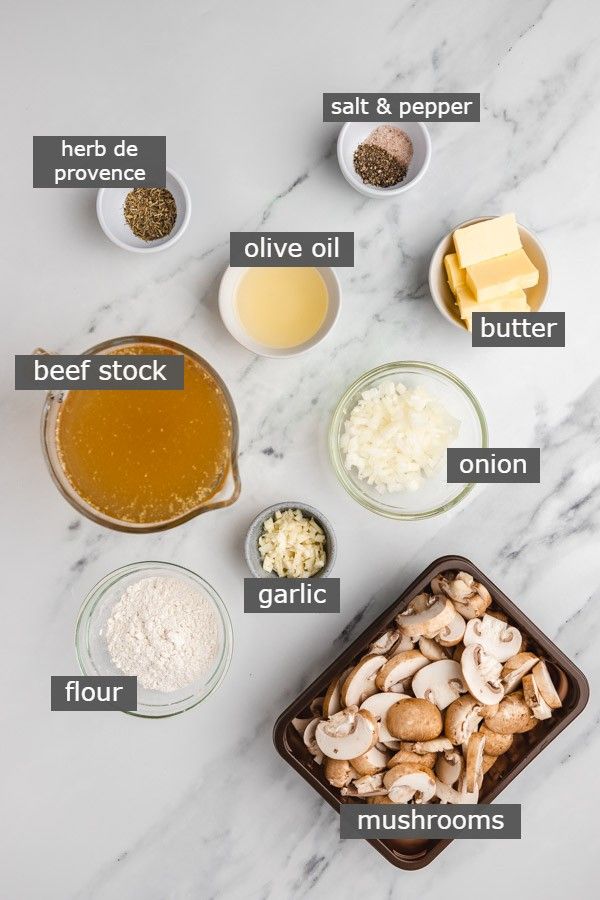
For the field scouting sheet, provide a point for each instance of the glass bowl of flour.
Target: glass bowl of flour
(165, 625)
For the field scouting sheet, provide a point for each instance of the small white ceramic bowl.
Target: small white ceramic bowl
(228, 309)
(444, 298)
(353, 133)
(254, 532)
(109, 208)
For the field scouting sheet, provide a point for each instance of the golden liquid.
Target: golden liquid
(147, 456)
(281, 307)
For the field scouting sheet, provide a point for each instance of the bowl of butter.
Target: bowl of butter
(490, 264)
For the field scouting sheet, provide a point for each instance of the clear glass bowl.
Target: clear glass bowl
(436, 495)
(92, 650)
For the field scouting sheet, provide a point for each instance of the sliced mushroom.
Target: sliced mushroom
(488, 762)
(331, 701)
(429, 621)
(495, 744)
(385, 643)
(499, 639)
(404, 642)
(471, 599)
(347, 734)
(397, 669)
(378, 705)
(453, 632)
(462, 719)
(474, 761)
(367, 786)
(431, 649)
(546, 685)
(534, 700)
(360, 683)
(310, 742)
(448, 794)
(514, 669)
(338, 772)
(435, 745)
(316, 707)
(481, 672)
(440, 682)
(513, 716)
(371, 762)
(449, 766)
(414, 719)
(408, 781)
(301, 724)
(409, 756)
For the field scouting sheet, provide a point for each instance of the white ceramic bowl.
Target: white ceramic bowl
(444, 298)
(353, 133)
(228, 309)
(109, 208)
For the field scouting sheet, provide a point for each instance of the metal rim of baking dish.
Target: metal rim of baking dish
(577, 684)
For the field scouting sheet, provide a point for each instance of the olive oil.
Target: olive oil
(147, 456)
(281, 307)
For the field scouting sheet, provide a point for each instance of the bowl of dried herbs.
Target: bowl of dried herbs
(145, 219)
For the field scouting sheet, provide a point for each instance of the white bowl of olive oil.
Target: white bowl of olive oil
(279, 311)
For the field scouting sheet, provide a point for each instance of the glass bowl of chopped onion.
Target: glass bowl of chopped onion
(389, 435)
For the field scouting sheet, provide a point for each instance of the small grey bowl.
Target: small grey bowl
(254, 532)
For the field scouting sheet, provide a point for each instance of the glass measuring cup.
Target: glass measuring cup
(227, 493)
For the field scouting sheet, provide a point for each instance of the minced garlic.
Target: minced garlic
(291, 545)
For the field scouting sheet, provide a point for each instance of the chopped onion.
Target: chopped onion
(395, 437)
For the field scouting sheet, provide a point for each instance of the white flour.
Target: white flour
(165, 631)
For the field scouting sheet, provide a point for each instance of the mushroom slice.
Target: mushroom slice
(301, 724)
(316, 707)
(514, 669)
(481, 672)
(414, 719)
(367, 786)
(488, 762)
(495, 744)
(347, 734)
(429, 621)
(499, 639)
(403, 643)
(513, 716)
(331, 701)
(371, 762)
(474, 761)
(546, 685)
(378, 705)
(470, 598)
(338, 772)
(385, 643)
(409, 756)
(431, 649)
(398, 668)
(452, 633)
(462, 719)
(310, 742)
(436, 745)
(534, 700)
(408, 781)
(360, 683)
(449, 766)
(440, 682)
(448, 794)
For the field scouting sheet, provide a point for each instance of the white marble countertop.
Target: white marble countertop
(105, 806)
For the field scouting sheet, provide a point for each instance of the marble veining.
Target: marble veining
(105, 807)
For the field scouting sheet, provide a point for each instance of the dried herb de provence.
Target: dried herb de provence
(150, 212)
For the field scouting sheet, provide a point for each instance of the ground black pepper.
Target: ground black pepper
(378, 167)
(150, 212)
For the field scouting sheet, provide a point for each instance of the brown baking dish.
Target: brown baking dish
(570, 682)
